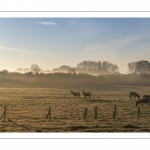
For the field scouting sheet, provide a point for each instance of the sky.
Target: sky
(52, 42)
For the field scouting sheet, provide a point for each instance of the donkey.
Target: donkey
(75, 93)
(87, 94)
(134, 95)
(146, 96)
(144, 100)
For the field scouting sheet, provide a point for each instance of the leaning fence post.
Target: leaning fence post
(138, 113)
(95, 112)
(114, 113)
(49, 113)
(4, 113)
(85, 113)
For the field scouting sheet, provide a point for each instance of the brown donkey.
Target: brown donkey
(75, 93)
(134, 95)
(146, 96)
(87, 94)
(143, 101)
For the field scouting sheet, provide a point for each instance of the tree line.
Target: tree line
(105, 67)
(89, 67)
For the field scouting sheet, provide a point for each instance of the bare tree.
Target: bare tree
(20, 70)
(63, 68)
(5, 71)
(99, 67)
(143, 67)
(35, 68)
(132, 67)
(140, 67)
(45, 71)
(72, 70)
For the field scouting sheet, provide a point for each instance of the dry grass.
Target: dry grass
(28, 107)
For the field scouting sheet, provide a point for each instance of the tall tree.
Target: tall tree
(141, 67)
(35, 68)
(63, 68)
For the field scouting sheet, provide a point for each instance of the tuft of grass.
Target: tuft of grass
(76, 128)
(130, 126)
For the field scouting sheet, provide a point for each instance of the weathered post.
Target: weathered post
(114, 113)
(95, 112)
(2, 115)
(85, 113)
(138, 113)
(49, 113)
(5, 112)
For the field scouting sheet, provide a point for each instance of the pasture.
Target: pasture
(27, 109)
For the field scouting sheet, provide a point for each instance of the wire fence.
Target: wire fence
(85, 112)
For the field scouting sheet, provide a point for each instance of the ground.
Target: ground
(27, 109)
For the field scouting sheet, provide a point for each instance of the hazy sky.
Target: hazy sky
(52, 42)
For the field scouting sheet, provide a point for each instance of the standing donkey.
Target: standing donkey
(134, 95)
(87, 94)
(75, 94)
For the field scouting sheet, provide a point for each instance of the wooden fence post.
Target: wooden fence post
(85, 113)
(4, 113)
(138, 113)
(49, 113)
(95, 112)
(114, 113)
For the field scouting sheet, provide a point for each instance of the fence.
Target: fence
(48, 116)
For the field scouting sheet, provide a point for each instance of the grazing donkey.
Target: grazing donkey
(146, 96)
(144, 100)
(75, 93)
(134, 95)
(87, 94)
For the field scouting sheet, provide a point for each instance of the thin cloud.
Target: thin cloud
(88, 28)
(26, 51)
(47, 23)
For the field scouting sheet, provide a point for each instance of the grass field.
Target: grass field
(28, 107)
